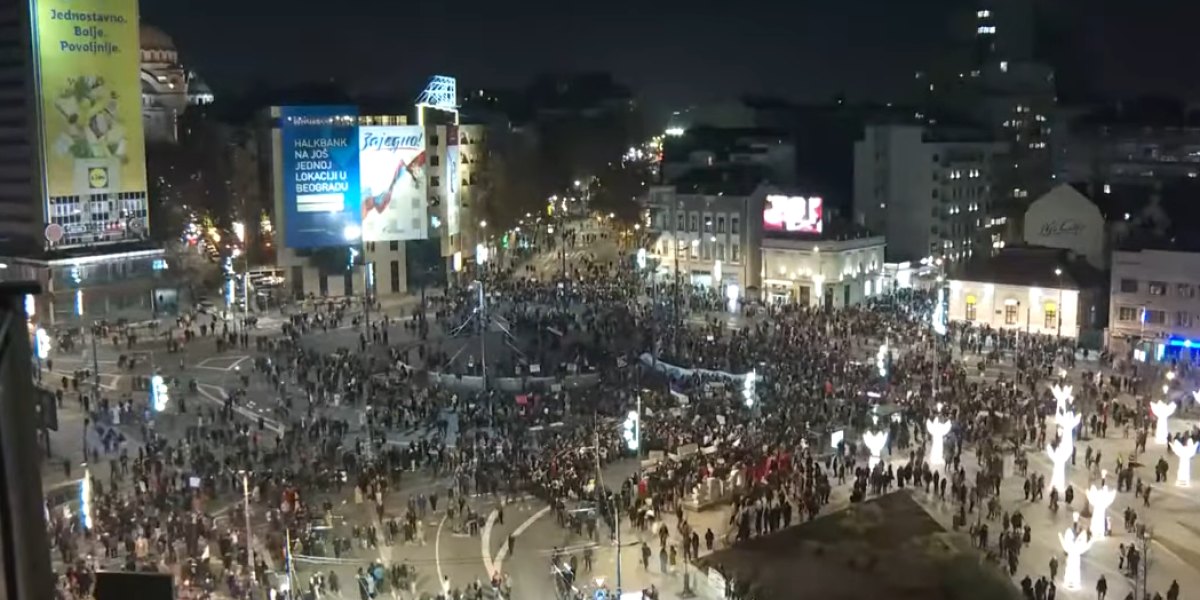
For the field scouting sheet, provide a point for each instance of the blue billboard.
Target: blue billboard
(320, 176)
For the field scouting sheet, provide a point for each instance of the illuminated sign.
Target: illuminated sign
(392, 175)
(320, 175)
(90, 89)
(452, 180)
(793, 214)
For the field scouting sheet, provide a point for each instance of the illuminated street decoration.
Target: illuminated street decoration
(1067, 422)
(1185, 451)
(1074, 546)
(85, 500)
(937, 428)
(881, 359)
(632, 431)
(1062, 397)
(159, 393)
(1100, 498)
(875, 441)
(748, 388)
(1059, 455)
(1162, 411)
(939, 313)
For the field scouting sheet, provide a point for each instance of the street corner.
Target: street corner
(223, 363)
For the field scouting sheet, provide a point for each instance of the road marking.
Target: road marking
(270, 424)
(485, 541)
(437, 551)
(498, 562)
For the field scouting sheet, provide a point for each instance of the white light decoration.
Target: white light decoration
(732, 294)
(1059, 456)
(641, 258)
(937, 428)
(1185, 451)
(1100, 498)
(1074, 546)
(938, 318)
(1162, 411)
(633, 431)
(875, 442)
(85, 500)
(748, 388)
(1062, 396)
(881, 359)
(1196, 396)
(1067, 422)
(160, 395)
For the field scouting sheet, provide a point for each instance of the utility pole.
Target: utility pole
(249, 536)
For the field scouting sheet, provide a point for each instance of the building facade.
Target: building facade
(21, 186)
(167, 87)
(928, 193)
(1020, 308)
(452, 174)
(1064, 218)
(1154, 306)
(831, 273)
(707, 239)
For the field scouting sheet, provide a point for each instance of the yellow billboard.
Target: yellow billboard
(89, 62)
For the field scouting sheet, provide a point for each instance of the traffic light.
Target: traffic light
(633, 431)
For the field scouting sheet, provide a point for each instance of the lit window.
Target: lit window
(971, 308)
(1051, 313)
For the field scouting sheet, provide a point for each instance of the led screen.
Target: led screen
(320, 176)
(792, 214)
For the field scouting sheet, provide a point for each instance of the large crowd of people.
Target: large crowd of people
(764, 448)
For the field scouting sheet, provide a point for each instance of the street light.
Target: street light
(1059, 307)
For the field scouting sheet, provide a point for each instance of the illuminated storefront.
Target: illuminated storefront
(823, 272)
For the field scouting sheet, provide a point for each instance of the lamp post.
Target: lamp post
(246, 509)
(1059, 307)
(353, 236)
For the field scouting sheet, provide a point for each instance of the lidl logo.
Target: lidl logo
(97, 178)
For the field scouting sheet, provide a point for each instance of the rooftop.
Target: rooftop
(732, 180)
(1033, 266)
(887, 547)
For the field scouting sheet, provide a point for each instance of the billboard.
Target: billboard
(392, 176)
(320, 176)
(90, 90)
(792, 214)
(452, 180)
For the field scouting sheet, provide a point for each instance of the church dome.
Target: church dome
(157, 46)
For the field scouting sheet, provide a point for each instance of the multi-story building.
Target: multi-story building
(708, 148)
(446, 168)
(72, 189)
(1154, 306)
(928, 190)
(1118, 154)
(709, 234)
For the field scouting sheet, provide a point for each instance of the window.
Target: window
(435, 181)
(695, 251)
(735, 251)
(971, 308)
(708, 224)
(1156, 317)
(395, 276)
(1128, 313)
(1157, 288)
(695, 221)
(720, 251)
(680, 223)
(433, 161)
(1010, 314)
(720, 224)
(1186, 290)
(394, 246)
(1183, 319)
(1129, 286)
(433, 140)
(1051, 315)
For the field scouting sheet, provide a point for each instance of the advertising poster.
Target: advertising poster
(392, 168)
(91, 96)
(792, 214)
(320, 176)
(453, 180)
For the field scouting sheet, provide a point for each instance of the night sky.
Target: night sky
(671, 52)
